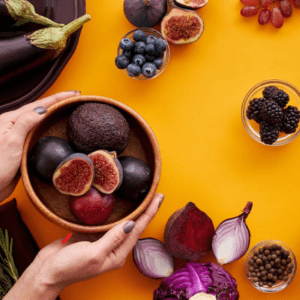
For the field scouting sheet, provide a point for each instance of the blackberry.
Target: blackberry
(290, 122)
(254, 109)
(269, 132)
(271, 112)
(277, 95)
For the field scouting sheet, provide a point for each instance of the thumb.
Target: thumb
(114, 237)
(26, 121)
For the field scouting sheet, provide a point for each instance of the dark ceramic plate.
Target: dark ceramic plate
(29, 87)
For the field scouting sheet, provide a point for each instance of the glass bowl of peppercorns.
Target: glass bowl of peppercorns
(270, 266)
(143, 54)
(271, 112)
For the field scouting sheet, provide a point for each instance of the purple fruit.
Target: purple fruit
(108, 171)
(75, 175)
(145, 13)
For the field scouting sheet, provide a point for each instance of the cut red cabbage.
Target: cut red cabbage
(196, 280)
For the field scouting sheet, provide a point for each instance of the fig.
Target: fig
(93, 126)
(74, 175)
(188, 233)
(191, 4)
(137, 179)
(108, 171)
(181, 26)
(145, 13)
(92, 208)
(46, 155)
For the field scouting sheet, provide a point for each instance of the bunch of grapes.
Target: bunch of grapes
(269, 10)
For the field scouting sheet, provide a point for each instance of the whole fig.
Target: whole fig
(188, 233)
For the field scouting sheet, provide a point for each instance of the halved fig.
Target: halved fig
(75, 175)
(108, 171)
(181, 26)
(191, 4)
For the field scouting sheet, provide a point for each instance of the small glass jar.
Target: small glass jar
(256, 92)
(280, 284)
(148, 32)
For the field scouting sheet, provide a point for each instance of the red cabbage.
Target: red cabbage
(195, 278)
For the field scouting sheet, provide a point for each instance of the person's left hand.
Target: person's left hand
(14, 127)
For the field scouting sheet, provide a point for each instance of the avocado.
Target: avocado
(47, 154)
(137, 179)
(94, 126)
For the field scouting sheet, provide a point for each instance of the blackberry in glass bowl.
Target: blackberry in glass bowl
(271, 112)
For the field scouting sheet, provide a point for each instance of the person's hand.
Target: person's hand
(58, 265)
(14, 127)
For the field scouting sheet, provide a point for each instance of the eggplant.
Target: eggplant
(20, 12)
(21, 54)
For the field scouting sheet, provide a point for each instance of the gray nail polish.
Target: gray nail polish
(40, 110)
(161, 201)
(128, 227)
(77, 92)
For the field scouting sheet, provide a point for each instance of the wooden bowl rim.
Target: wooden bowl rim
(85, 228)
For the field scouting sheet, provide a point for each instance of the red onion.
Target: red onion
(152, 259)
(232, 238)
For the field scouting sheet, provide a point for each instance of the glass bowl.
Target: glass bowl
(148, 32)
(280, 284)
(256, 92)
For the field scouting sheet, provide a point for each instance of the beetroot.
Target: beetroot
(188, 233)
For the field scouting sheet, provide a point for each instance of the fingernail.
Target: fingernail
(162, 196)
(76, 92)
(128, 227)
(40, 110)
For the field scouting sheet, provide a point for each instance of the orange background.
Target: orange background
(194, 109)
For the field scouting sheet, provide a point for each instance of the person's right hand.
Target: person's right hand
(58, 265)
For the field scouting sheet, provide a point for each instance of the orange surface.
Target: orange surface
(194, 109)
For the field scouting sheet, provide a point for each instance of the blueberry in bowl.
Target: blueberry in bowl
(143, 54)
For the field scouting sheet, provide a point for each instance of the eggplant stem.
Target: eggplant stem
(56, 38)
(247, 208)
(171, 4)
(75, 25)
(23, 12)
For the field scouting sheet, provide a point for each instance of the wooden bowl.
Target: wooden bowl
(54, 205)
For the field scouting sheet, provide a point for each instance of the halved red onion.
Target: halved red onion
(152, 259)
(232, 238)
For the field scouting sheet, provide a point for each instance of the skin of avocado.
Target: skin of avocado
(93, 126)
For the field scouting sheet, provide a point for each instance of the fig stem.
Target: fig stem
(171, 4)
(147, 2)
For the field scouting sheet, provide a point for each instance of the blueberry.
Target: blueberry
(149, 57)
(139, 47)
(133, 70)
(122, 62)
(149, 70)
(160, 45)
(127, 53)
(159, 63)
(139, 59)
(126, 44)
(139, 35)
(150, 49)
(151, 39)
